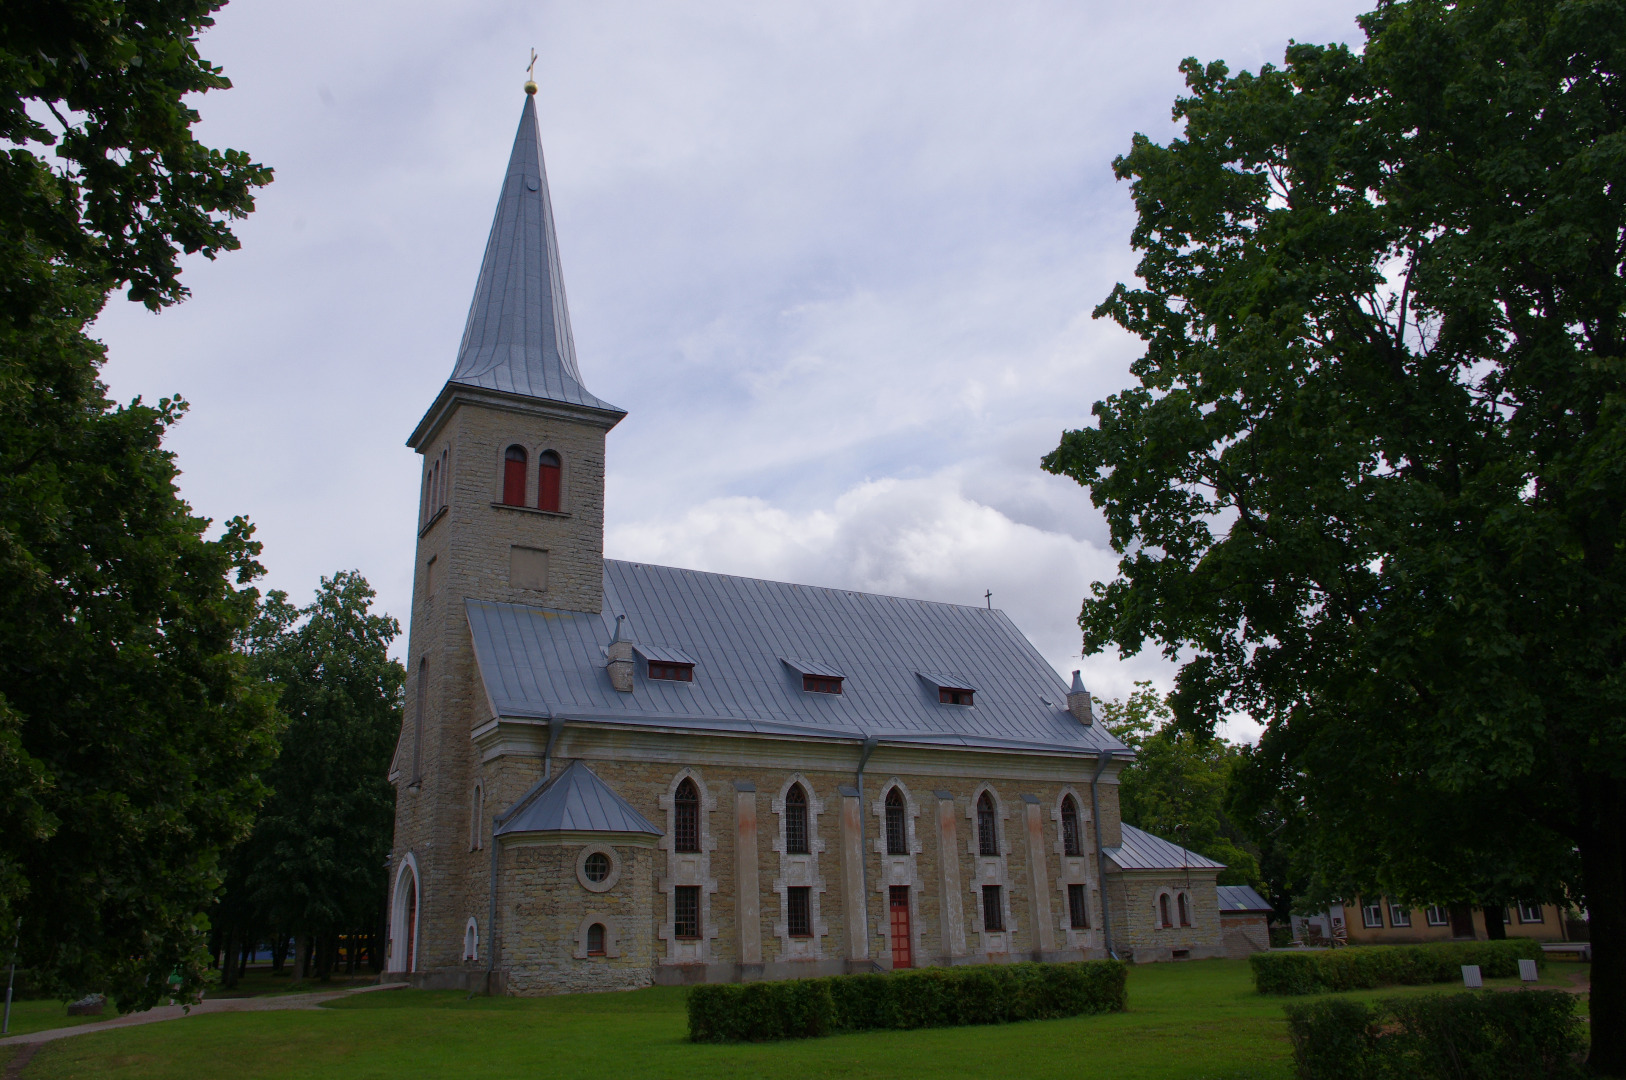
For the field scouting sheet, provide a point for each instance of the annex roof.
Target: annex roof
(1141, 850)
(517, 339)
(1241, 898)
(542, 663)
(575, 801)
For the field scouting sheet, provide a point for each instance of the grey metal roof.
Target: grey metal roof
(1141, 850)
(813, 667)
(540, 663)
(575, 801)
(948, 682)
(1241, 898)
(662, 654)
(517, 339)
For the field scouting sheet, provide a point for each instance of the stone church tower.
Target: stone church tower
(512, 510)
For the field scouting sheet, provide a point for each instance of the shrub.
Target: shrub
(933, 997)
(1530, 1035)
(1365, 967)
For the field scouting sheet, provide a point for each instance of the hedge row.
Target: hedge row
(931, 997)
(1532, 1035)
(1364, 967)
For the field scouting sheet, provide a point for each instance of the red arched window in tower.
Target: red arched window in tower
(686, 814)
(547, 481)
(513, 476)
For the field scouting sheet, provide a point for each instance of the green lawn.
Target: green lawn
(1193, 1021)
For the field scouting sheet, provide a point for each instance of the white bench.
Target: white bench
(1582, 949)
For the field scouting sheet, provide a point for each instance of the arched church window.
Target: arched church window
(987, 826)
(796, 821)
(897, 836)
(547, 481)
(1185, 910)
(1163, 909)
(1072, 839)
(686, 815)
(595, 939)
(513, 476)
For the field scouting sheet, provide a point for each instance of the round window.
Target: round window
(597, 867)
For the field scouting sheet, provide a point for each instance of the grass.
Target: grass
(29, 1016)
(1193, 1021)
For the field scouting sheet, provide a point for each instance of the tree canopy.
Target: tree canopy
(1372, 477)
(1176, 787)
(131, 735)
(315, 864)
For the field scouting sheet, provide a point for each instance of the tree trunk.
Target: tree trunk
(249, 945)
(1495, 928)
(1603, 872)
(302, 955)
(228, 958)
(279, 951)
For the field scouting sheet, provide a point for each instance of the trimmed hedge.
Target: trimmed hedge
(1366, 967)
(930, 997)
(1530, 1035)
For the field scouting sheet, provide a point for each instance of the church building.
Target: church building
(612, 774)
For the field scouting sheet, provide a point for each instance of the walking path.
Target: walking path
(203, 1008)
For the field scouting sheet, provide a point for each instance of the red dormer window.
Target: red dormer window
(821, 684)
(547, 481)
(513, 476)
(949, 695)
(670, 672)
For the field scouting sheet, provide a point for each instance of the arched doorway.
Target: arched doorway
(404, 918)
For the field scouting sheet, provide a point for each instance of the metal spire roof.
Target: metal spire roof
(517, 339)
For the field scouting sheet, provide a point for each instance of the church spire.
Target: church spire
(517, 339)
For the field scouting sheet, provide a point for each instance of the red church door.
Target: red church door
(902, 957)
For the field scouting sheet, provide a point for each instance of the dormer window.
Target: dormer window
(513, 476)
(954, 695)
(671, 672)
(821, 684)
(547, 481)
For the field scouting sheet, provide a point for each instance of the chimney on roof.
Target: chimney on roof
(1078, 702)
(620, 653)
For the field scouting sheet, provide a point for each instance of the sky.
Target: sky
(836, 260)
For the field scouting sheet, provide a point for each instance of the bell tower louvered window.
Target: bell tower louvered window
(547, 481)
(686, 817)
(513, 476)
(897, 833)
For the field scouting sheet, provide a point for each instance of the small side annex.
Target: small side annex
(1164, 900)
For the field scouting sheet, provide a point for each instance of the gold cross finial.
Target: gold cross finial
(530, 74)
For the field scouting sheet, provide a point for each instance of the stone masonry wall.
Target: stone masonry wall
(1136, 929)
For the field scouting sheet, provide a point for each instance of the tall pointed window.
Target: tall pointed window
(1185, 909)
(897, 835)
(686, 815)
(1072, 840)
(987, 826)
(418, 708)
(1163, 909)
(796, 821)
(513, 476)
(547, 481)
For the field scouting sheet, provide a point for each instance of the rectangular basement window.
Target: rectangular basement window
(671, 672)
(686, 911)
(821, 684)
(799, 901)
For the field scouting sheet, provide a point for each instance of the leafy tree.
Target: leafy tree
(315, 863)
(1177, 785)
(130, 734)
(1373, 475)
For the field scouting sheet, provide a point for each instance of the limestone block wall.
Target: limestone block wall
(744, 928)
(1136, 920)
(1244, 934)
(546, 909)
